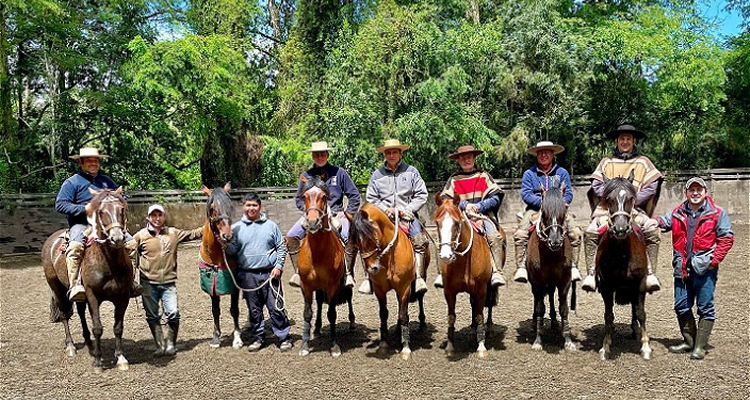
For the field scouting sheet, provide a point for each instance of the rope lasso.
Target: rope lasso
(279, 304)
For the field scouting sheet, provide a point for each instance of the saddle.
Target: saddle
(65, 236)
(533, 220)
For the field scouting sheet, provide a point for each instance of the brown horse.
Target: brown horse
(466, 267)
(321, 265)
(549, 261)
(216, 273)
(621, 263)
(106, 271)
(389, 260)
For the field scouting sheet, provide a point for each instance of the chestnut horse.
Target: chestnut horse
(388, 258)
(106, 272)
(621, 263)
(321, 265)
(216, 273)
(466, 267)
(549, 261)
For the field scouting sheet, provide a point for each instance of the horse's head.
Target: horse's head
(219, 210)
(366, 234)
(108, 217)
(551, 228)
(316, 195)
(449, 222)
(619, 196)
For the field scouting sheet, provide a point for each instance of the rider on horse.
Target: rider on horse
(398, 187)
(480, 197)
(340, 185)
(647, 179)
(535, 178)
(73, 201)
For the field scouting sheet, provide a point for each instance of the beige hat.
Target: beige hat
(89, 152)
(155, 207)
(319, 146)
(465, 150)
(392, 144)
(546, 145)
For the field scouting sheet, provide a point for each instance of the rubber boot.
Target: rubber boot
(701, 339)
(350, 257)
(687, 328)
(172, 328)
(521, 275)
(652, 254)
(497, 248)
(292, 246)
(591, 244)
(158, 335)
(73, 258)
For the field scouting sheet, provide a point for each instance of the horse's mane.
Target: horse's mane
(98, 199)
(553, 203)
(618, 183)
(361, 229)
(318, 183)
(221, 200)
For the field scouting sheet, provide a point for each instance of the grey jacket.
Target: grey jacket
(403, 188)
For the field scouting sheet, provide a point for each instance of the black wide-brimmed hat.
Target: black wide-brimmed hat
(625, 128)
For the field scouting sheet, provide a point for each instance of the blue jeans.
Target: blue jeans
(76, 233)
(697, 288)
(167, 294)
(265, 296)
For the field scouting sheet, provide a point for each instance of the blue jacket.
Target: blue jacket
(533, 177)
(257, 244)
(74, 195)
(339, 184)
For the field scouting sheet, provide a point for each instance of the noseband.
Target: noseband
(542, 231)
(453, 244)
(104, 230)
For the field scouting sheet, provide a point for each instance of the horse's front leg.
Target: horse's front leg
(609, 324)
(335, 350)
(318, 314)
(97, 330)
(477, 308)
(562, 299)
(553, 324)
(352, 324)
(122, 362)
(422, 316)
(234, 310)
(216, 312)
(403, 320)
(640, 314)
(450, 299)
(383, 311)
(538, 320)
(307, 318)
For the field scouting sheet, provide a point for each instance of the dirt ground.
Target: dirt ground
(33, 364)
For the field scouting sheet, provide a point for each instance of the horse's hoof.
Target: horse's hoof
(98, 370)
(536, 346)
(603, 354)
(237, 343)
(383, 350)
(215, 343)
(646, 354)
(335, 351)
(482, 354)
(405, 354)
(304, 352)
(570, 346)
(71, 350)
(123, 366)
(352, 327)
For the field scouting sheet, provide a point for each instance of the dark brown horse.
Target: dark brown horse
(216, 275)
(106, 271)
(466, 267)
(549, 261)
(321, 265)
(621, 264)
(389, 260)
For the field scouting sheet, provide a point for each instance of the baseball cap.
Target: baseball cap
(697, 180)
(154, 208)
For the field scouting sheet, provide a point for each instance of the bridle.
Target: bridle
(453, 244)
(377, 251)
(102, 230)
(620, 211)
(321, 213)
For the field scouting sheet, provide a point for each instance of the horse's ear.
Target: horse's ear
(119, 190)
(364, 214)
(456, 200)
(631, 177)
(562, 187)
(438, 199)
(228, 187)
(93, 192)
(605, 178)
(206, 190)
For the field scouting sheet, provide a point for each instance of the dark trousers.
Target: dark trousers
(267, 297)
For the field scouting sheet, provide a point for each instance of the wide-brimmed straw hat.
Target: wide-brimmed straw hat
(88, 152)
(625, 128)
(546, 145)
(392, 144)
(469, 149)
(319, 146)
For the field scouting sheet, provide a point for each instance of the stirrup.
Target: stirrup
(349, 281)
(420, 286)
(77, 293)
(652, 283)
(294, 280)
(521, 276)
(439, 281)
(497, 279)
(575, 274)
(589, 284)
(365, 287)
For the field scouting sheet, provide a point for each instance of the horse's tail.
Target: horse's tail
(56, 314)
(625, 295)
(491, 299)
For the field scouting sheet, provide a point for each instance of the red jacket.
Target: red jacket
(712, 238)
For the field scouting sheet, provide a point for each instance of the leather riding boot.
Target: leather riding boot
(590, 245)
(135, 289)
(575, 273)
(652, 254)
(73, 258)
(497, 248)
(701, 339)
(521, 276)
(420, 243)
(172, 328)
(292, 246)
(350, 257)
(688, 330)
(158, 335)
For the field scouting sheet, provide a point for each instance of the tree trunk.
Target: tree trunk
(6, 107)
(473, 11)
(273, 11)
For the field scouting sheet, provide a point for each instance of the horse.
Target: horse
(621, 263)
(388, 258)
(106, 272)
(466, 267)
(216, 272)
(321, 265)
(549, 261)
